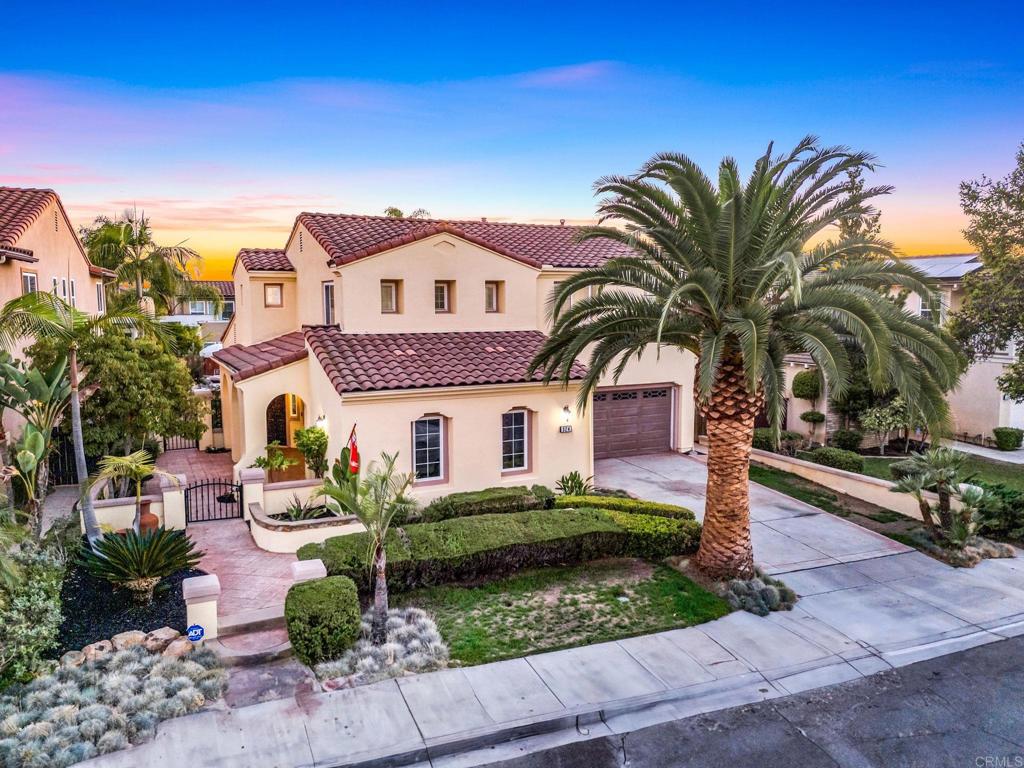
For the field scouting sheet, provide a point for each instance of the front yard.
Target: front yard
(981, 468)
(552, 608)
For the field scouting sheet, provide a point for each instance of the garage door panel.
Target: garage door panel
(634, 421)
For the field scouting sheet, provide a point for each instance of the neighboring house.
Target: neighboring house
(204, 314)
(40, 251)
(977, 405)
(420, 332)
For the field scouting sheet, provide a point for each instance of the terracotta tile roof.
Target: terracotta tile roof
(350, 237)
(245, 361)
(19, 208)
(265, 260)
(226, 288)
(365, 362)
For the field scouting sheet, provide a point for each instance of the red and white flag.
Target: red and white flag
(353, 452)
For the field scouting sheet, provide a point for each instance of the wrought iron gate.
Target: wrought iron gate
(178, 443)
(213, 500)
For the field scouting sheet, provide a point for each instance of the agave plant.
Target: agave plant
(137, 561)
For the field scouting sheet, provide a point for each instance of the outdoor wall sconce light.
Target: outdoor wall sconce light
(321, 422)
(566, 417)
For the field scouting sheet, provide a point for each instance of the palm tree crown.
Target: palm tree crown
(725, 272)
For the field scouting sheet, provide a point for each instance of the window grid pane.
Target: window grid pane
(427, 449)
(440, 297)
(513, 440)
(388, 299)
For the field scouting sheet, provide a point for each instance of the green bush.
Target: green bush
(636, 506)
(574, 484)
(807, 385)
(516, 498)
(1008, 438)
(838, 459)
(312, 444)
(847, 439)
(494, 545)
(544, 495)
(1002, 511)
(31, 614)
(900, 469)
(137, 561)
(788, 440)
(812, 417)
(322, 617)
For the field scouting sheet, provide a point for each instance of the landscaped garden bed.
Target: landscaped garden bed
(545, 609)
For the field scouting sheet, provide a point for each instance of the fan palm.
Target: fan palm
(725, 271)
(44, 315)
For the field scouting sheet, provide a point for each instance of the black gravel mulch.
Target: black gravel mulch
(95, 610)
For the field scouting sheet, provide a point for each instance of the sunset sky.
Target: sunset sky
(224, 123)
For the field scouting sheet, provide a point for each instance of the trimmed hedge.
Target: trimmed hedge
(322, 617)
(807, 385)
(489, 501)
(788, 440)
(812, 417)
(495, 545)
(635, 506)
(900, 469)
(1008, 438)
(838, 459)
(847, 439)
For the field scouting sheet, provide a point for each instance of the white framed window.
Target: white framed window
(389, 296)
(442, 296)
(328, 291)
(428, 448)
(515, 437)
(64, 288)
(74, 295)
(56, 287)
(101, 298)
(273, 295)
(29, 282)
(492, 296)
(197, 308)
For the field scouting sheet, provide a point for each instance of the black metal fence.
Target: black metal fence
(213, 500)
(177, 443)
(61, 461)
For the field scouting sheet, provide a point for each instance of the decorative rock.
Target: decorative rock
(159, 639)
(129, 639)
(72, 659)
(178, 648)
(97, 649)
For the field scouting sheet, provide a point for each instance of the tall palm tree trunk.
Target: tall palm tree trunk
(92, 526)
(380, 598)
(725, 549)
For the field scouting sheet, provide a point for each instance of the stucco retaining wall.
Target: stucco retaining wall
(286, 536)
(870, 489)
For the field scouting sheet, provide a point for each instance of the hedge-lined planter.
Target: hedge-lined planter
(287, 536)
(429, 554)
(635, 506)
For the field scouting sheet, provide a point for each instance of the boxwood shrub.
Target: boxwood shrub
(1008, 438)
(847, 439)
(516, 498)
(322, 617)
(788, 440)
(636, 506)
(428, 554)
(838, 459)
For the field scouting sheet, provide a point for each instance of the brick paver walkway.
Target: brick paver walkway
(250, 578)
(197, 465)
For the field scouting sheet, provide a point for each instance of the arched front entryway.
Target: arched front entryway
(286, 414)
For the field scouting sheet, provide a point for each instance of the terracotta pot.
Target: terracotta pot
(147, 520)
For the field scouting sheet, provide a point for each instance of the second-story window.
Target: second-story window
(389, 297)
(273, 295)
(29, 282)
(328, 303)
(442, 296)
(197, 307)
(228, 309)
(492, 296)
(74, 295)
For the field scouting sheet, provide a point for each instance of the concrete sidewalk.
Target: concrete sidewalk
(867, 606)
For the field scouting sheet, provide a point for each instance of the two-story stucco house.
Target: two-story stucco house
(204, 314)
(420, 332)
(40, 251)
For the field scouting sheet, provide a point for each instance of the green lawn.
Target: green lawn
(983, 469)
(797, 487)
(551, 608)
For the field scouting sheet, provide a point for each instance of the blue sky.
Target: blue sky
(224, 122)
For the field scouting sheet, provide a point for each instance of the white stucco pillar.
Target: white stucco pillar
(201, 594)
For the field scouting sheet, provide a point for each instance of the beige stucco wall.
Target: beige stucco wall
(254, 322)
(474, 429)
(977, 404)
(54, 242)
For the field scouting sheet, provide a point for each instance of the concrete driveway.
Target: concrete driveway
(788, 535)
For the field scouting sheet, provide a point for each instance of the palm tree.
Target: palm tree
(724, 271)
(134, 468)
(375, 500)
(164, 273)
(47, 316)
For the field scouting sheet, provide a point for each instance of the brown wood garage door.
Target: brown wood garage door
(628, 422)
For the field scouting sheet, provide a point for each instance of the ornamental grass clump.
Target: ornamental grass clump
(412, 644)
(103, 706)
